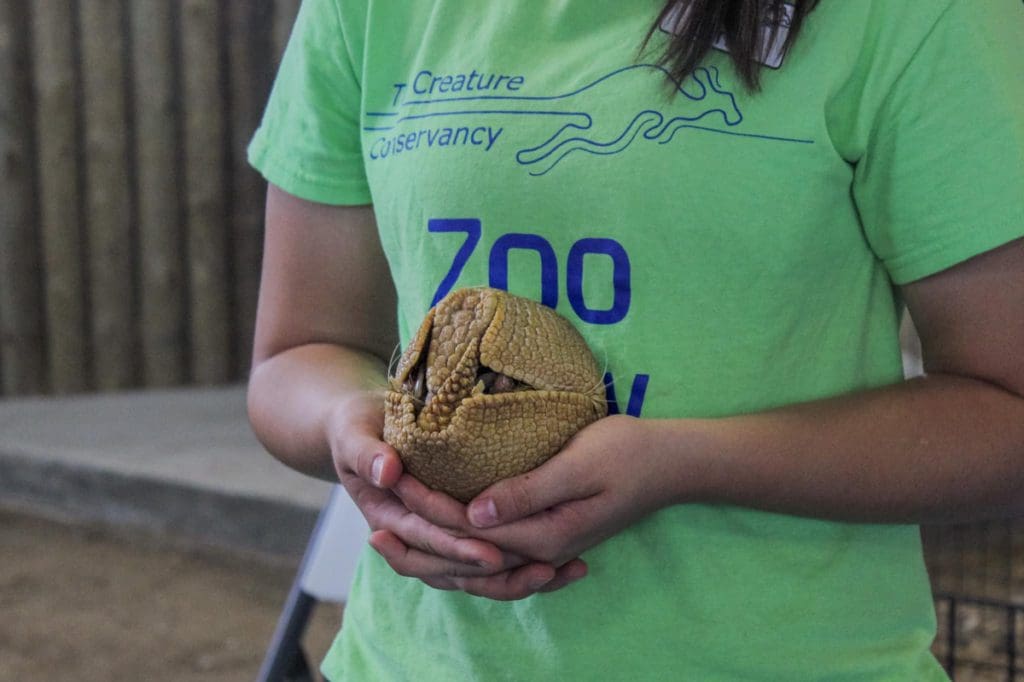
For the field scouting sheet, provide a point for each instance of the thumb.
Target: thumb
(556, 481)
(373, 460)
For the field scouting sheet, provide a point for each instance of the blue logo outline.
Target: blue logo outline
(571, 136)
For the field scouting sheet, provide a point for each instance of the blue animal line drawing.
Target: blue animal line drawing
(701, 104)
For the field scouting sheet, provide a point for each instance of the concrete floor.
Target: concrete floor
(146, 536)
(94, 604)
(180, 462)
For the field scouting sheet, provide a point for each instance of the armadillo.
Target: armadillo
(491, 386)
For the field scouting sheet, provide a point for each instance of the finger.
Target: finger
(510, 585)
(414, 563)
(371, 501)
(556, 481)
(445, 511)
(566, 575)
(385, 511)
(371, 459)
(440, 583)
(433, 505)
(416, 532)
(550, 536)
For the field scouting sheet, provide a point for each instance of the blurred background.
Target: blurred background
(143, 534)
(132, 223)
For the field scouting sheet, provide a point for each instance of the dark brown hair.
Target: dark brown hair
(700, 23)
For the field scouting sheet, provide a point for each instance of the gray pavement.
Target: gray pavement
(179, 462)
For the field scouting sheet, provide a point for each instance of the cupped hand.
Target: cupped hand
(442, 555)
(520, 577)
(608, 477)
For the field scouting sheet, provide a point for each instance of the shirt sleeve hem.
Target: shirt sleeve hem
(350, 191)
(944, 255)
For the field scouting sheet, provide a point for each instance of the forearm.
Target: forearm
(939, 449)
(294, 395)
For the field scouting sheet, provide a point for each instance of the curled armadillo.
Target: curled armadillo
(491, 386)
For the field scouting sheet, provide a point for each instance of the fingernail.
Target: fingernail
(577, 572)
(483, 513)
(376, 468)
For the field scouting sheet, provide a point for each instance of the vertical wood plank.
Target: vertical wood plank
(953, 554)
(205, 189)
(972, 546)
(161, 262)
(107, 194)
(936, 545)
(57, 135)
(1017, 561)
(251, 73)
(997, 564)
(285, 12)
(22, 352)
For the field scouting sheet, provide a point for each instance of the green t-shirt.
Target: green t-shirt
(723, 252)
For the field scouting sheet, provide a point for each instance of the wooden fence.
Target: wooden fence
(983, 560)
(980, 562)
(130, 224)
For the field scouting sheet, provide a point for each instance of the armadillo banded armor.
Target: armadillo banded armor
(491, 386)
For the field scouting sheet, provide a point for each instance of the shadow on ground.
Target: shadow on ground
(91, 604)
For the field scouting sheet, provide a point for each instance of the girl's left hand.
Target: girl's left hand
(608, 476)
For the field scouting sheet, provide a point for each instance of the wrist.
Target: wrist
(691, 458)
(356, 410)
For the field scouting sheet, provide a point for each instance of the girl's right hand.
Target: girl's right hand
(443, 557)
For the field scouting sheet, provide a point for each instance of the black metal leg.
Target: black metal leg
(285, 660)
(1011, 644)
(299, 671)
(951, 637)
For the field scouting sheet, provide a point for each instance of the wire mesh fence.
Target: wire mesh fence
(977, 572)
(980, 640)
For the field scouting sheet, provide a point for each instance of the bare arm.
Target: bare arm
(945, 448)
(324, 326)
(948, 447)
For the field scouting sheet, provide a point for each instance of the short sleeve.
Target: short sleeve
(308, 142)
(942, 177)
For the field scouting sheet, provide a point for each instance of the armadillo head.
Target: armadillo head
(491, 386)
